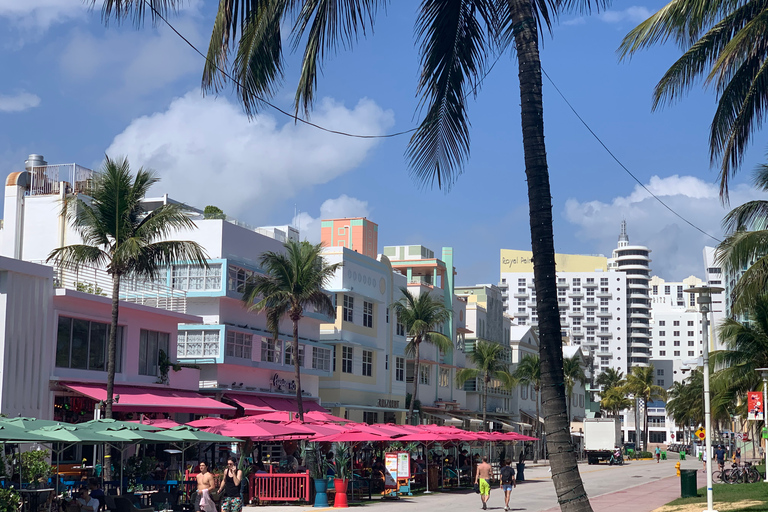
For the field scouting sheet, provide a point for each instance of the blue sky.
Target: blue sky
(74, 90)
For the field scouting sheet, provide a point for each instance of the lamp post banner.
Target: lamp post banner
(755, 405)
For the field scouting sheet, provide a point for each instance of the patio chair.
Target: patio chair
(109, 502)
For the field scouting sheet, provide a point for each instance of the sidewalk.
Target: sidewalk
(641, 498)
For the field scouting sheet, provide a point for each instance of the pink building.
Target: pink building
(358, 234)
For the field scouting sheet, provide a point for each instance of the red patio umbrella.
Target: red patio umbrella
(207, 422)
(352, 436)
(160, 423)
(324, 416)
(392, 429)
(253, 430)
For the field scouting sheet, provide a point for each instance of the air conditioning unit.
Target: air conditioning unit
(499, 409)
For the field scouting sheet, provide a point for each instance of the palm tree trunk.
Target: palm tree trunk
(645, 424)
(485, 404)
(538, 429)
(409, 419)
(562, 454)
(297, 368)
(111, 364)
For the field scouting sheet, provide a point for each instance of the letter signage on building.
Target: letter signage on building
(281, 384)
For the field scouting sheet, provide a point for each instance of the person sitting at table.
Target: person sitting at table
(205, 484)
(260, 467)
(464, 460)
(87, 503)
(330, 464)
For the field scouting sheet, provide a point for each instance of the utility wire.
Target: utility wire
(665, 205)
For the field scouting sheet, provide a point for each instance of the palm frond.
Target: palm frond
(72, 256)
(137, 10)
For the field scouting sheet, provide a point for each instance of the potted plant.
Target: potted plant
(315, 462)
(343, 458)
(35, 467)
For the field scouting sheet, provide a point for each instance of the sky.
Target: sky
(75, 89)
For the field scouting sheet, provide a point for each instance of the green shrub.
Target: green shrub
(9, 500)
(644, 455)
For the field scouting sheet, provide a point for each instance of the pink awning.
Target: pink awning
(253, 404)
(140, 399)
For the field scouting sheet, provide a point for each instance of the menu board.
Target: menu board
(403, 465)
(391, 465)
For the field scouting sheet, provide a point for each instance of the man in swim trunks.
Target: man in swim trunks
(483, 478)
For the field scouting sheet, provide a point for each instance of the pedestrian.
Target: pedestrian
(483, 480)
(720, 456)
(658, 454)
(230, 488)
(704, 457)
(737, 457)
(761, 451)
(507, 481)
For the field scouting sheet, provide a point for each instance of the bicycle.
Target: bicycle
(746, 474)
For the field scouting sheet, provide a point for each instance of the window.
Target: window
(662, 343)
(270, 351)
(677, 353)
(445, 377)
(370, 417)
(424, 371)
(690, 323)
(690, 343)
(604, 281)
(349, 307)
(321, 359)
(400, 369)
(662, 323)
(690, 353)
(660, 372)
(83, 344)
(524, 392)
(239, 344)
(676, 333)
(520, 281)
(655, 289)
(197, 344)
(677, 343)
(387, 315)
(367, 363)
(346, 359)
(666, 290)
(150, 345)
(196, 278)
(400, 327)
(690, 333)
(288, 360)
(237, 277)
(662, 352)
(662, 333)
(367, 314)
(676, 323)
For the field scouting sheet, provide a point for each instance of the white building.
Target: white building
(719, 310)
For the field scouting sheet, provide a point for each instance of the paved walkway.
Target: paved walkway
(641, 498)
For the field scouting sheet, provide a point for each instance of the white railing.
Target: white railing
(138, 291)
(46, 179)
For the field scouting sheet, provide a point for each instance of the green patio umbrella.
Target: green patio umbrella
(30, 423)
(109, 422)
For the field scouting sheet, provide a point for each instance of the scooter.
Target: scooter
(616, 460)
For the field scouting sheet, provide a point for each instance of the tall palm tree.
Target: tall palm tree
(573, 371)
(685, 404)
(456, 39)
(421, 316)
(747, 348)
(614, 400)
(292, 281)
(528, 373)
(119, 235)
(490, 364)
(746, 246)
(610, 378)
(640, 382)
(722, 42)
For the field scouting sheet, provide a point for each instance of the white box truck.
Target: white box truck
(601, 437)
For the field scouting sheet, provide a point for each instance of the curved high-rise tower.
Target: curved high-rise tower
(634, 261)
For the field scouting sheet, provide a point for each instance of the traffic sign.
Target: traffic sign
(700, 433)
(672, 436)
(739, 436)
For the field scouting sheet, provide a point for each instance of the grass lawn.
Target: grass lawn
(724, 493)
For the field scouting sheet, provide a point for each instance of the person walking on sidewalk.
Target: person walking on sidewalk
(658, 454)
(483, 480)
(507, 481)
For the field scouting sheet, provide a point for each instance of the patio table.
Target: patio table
(32, 498)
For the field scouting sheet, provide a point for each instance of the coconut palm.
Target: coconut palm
(528, 373)
(640, 383)
(119, 235)
(292, 281)
(614, 400)
(456, 40)
(610, 378)
(746, 246)
(573, 372)
(747, 348)
(491, 365)
(421, 316)
(722, 43)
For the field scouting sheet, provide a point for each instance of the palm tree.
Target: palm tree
(640, 382)
(747, 345)
(490, 364)
(746, 246)
(421, 316)
(610, 378)
(573, 371)
(528, 373)
(456, 40)
(685, 404)
(614, 400)
(292, 281)
(118, 234)
(722, 43)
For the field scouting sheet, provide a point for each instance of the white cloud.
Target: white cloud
(676, 247)
(634, 14)
(339, 208)
(18, 102)
(41, 14)
(208, 152)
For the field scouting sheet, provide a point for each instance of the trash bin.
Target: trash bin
(682, 455)
(520, 476)
(663, 455)
(688, 483)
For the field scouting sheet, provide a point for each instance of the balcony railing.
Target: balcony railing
(46, 179)
(138, 291)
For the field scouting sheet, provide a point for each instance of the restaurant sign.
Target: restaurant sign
(388, 404)
(281, 384)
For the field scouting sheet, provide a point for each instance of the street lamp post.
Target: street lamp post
(704, 300)
(764, 373)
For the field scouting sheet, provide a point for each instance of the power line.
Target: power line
(665, 205)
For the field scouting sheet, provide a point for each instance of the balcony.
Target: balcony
(590, 285)
(563, 305)
(46, 179)
(590, 324)
(520, 314)
(576, 295)
(604, 314)
(604, 353)
(576, 314)
(519, 295)
(604, 295)
(605, 335)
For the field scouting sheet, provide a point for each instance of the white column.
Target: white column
(707, 413)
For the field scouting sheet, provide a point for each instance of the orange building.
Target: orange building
(358, 233)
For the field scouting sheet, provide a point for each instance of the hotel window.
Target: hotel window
(270, 350)
(690, 323)
(387, 315)
(237, 277)
(690, 343)
(677, 343)
(666, 290)
(288, 359)
(424, 371)
(400, 327)
(676, 333)
(662, 352)
(690, 333)
(655, 289)
(520, 281)
(239, 344)
(150, 345)
(198, 344)
(82, 344)
(524, 392)
(676, 323)
(662, 343)
(367, 363)
(196, 278)
(400, 369)
(349, 307)
(321, 359)
(445, 377)
(677, 353)
(662, 323)
(346, 359)
(662, 333)
(367, 314)
(690, 353)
